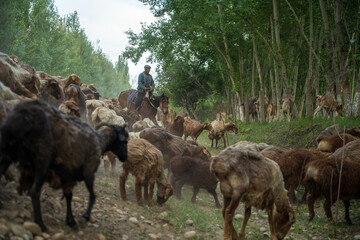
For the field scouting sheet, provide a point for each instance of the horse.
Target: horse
(148, 108)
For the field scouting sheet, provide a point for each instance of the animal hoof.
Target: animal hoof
(86, 216)
(72, 224)
(311, 217)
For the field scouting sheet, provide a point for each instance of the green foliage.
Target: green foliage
(34, 31)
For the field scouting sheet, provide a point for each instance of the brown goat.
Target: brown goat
(145, 162)
(176, 127)
(271, 111)
(292, 164)
(257, 181)
(194, 172)
(322, 178)
(194, 128)
(333, 142)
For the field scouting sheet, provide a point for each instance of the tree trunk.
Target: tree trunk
(253, 76)
(273, 93)
(246, 106)
(296, 76)
(225, 54)
(258, 67)
(309, 97)
(278, 43)
(262, 106)
(330, 74)
(356, 105)
(344, 75)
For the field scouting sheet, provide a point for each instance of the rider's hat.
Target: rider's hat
(147, 66)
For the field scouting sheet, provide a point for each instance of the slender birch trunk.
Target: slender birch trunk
(344, 75)
(309, 97)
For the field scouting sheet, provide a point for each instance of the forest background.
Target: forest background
(212, 55)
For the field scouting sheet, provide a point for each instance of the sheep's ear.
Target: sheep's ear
(254, 155)
(186, 152)
(291, 213)
(168, 192)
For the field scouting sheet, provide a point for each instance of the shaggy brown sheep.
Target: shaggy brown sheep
(145, 162)
(18, 79)
(54, 147)
(139, 125)
(257, 181)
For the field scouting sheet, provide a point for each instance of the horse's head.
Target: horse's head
(164, 103)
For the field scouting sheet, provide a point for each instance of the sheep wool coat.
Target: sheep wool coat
(144, 159)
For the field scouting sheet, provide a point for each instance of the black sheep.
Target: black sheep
(54, 147)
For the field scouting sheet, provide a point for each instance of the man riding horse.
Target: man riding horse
(145, 83)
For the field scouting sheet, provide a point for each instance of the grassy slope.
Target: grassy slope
(208, 221)
(302, 133)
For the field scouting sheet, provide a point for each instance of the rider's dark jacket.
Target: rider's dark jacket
(145, 80)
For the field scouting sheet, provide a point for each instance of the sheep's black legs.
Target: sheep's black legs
(89, 181)
(35, 198)
(213, 192)
(195, 192)
(69, 216)
(3, 166)
(347, 215)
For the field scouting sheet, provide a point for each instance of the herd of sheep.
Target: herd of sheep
(58, 131)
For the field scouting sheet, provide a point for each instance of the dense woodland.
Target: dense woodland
(212, 55)
(217, 54)
(34, 32)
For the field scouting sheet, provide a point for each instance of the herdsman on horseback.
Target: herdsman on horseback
(145, 104)
(145, 83)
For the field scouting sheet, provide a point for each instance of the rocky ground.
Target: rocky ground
(113, 218)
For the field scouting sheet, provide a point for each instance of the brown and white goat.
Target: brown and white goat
(257, 181)
(219, 130)
(322, 178)
(329, 104)
(145, 162)
(333, 142)
(194, 128)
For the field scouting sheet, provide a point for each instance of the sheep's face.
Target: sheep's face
(283, 222)
(120, 144)
(164, 193)
(340, 110)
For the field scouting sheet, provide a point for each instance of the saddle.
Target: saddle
(132, 98)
